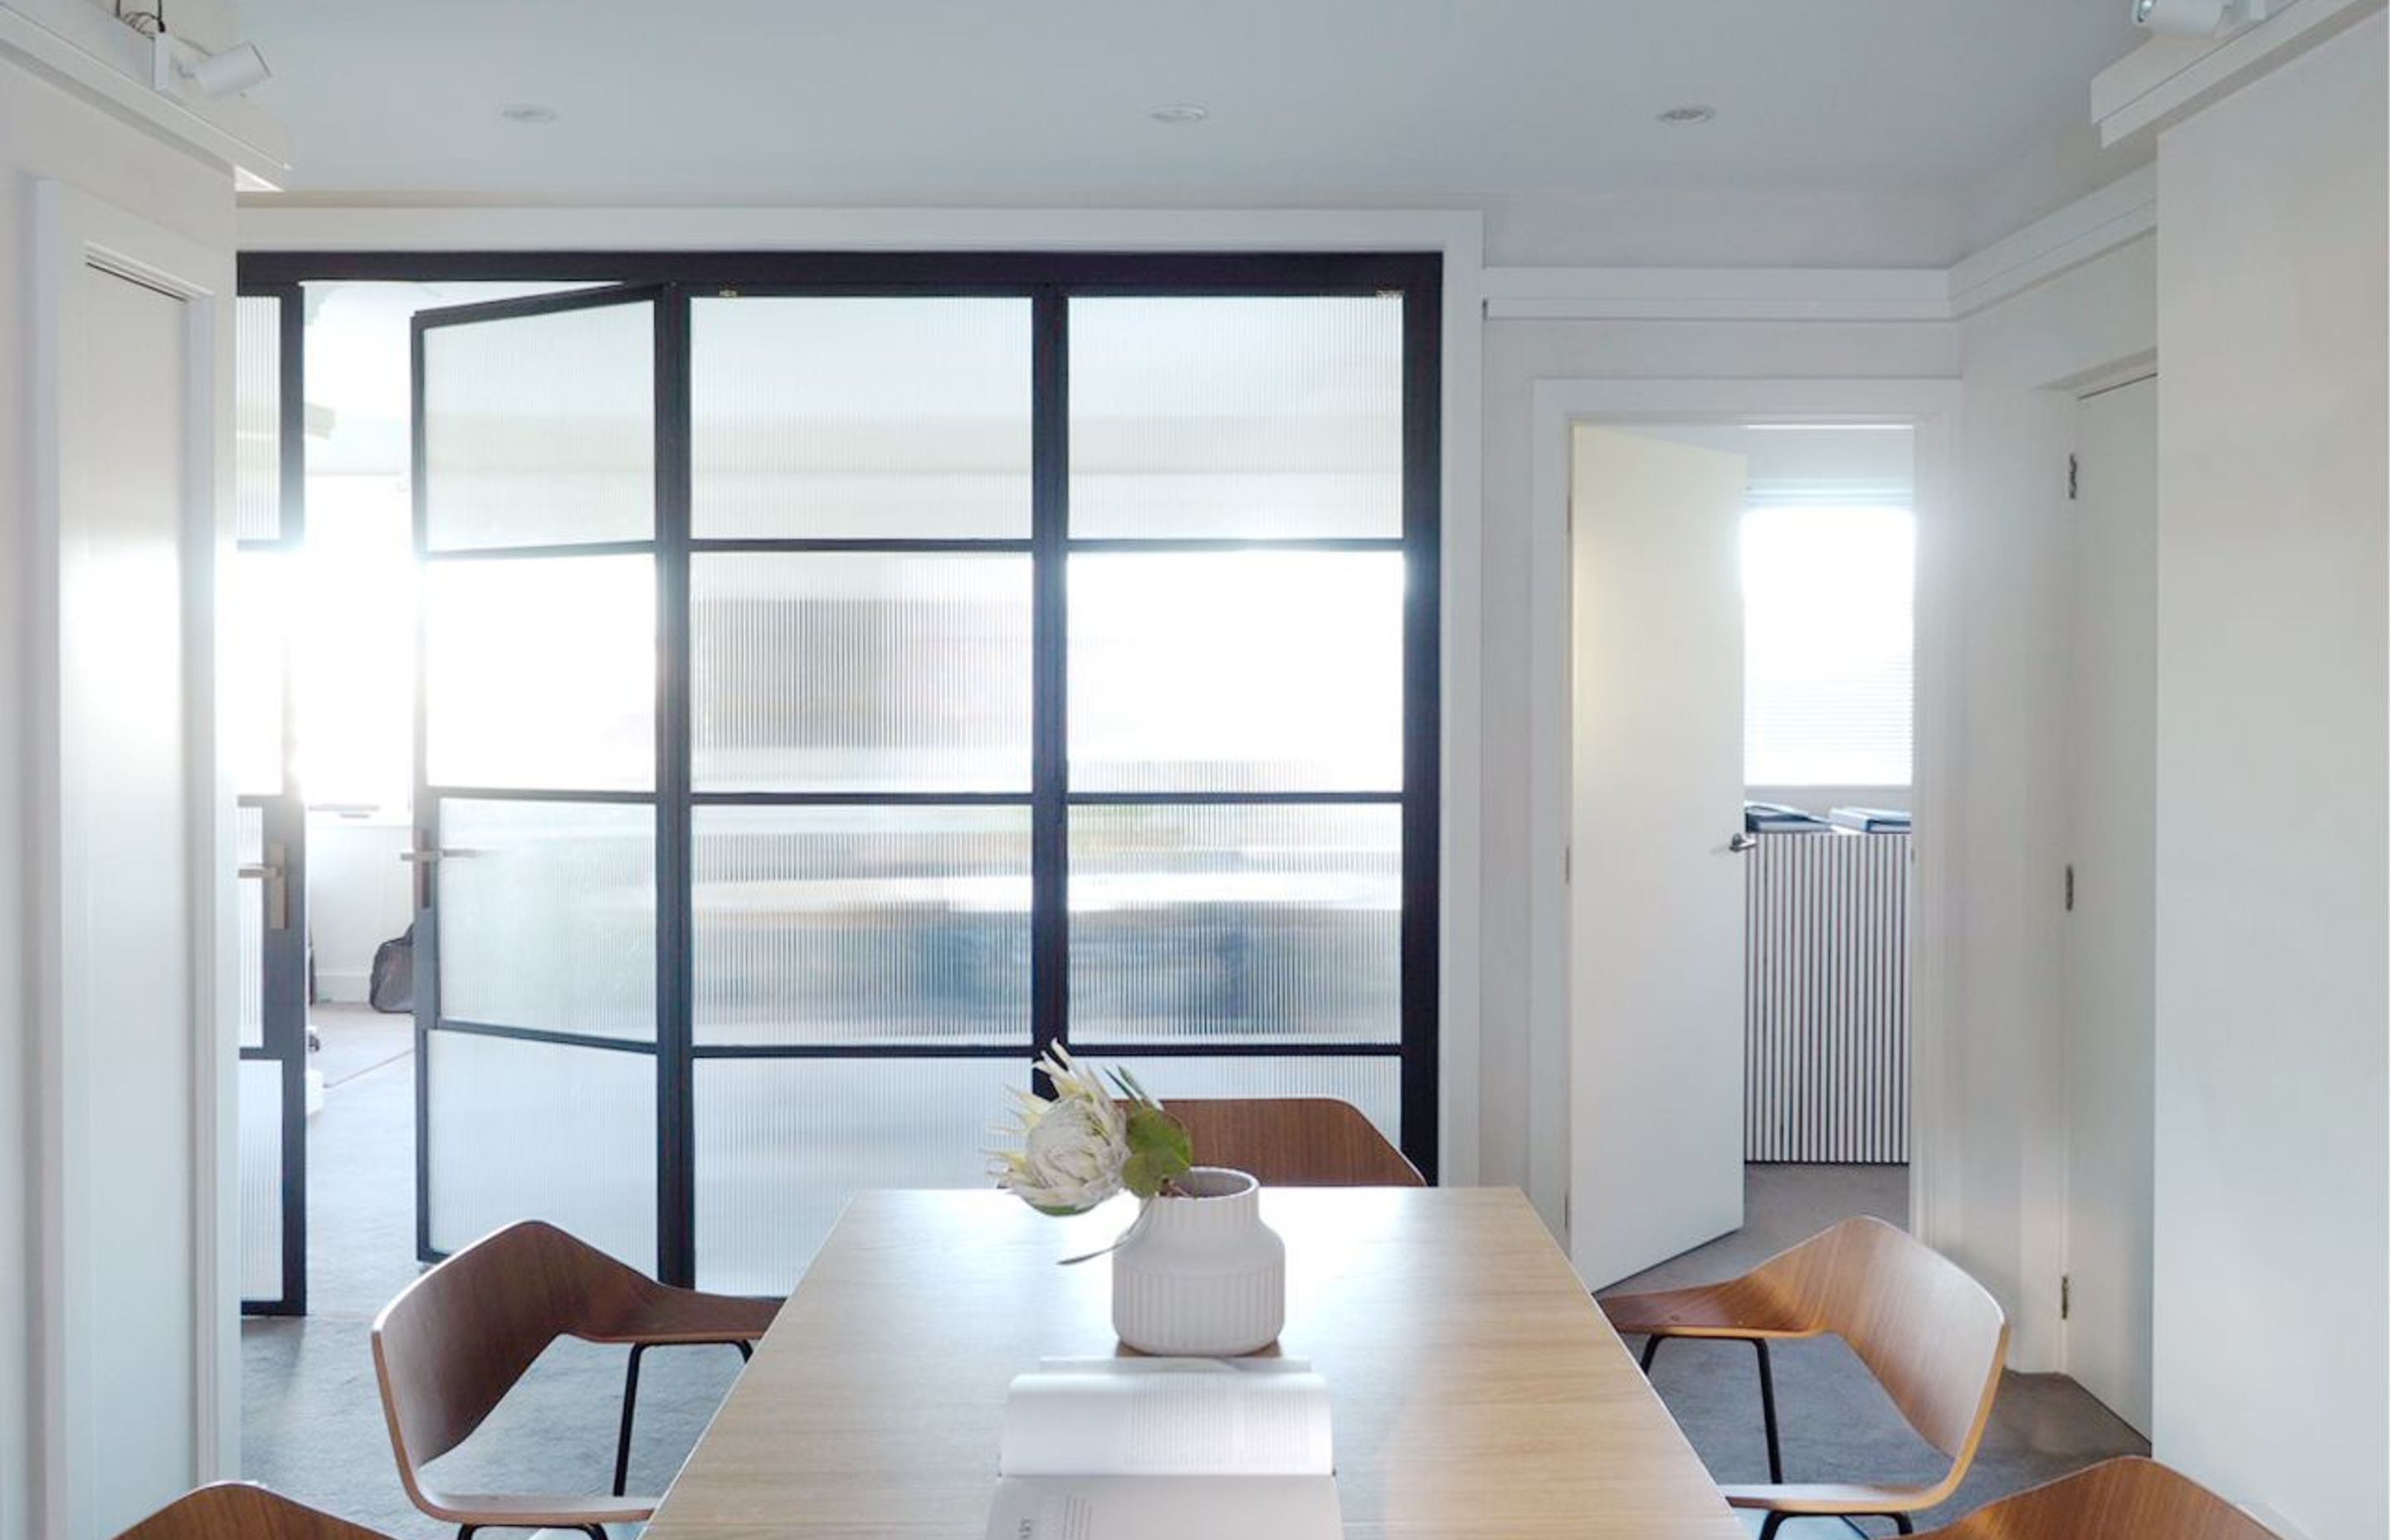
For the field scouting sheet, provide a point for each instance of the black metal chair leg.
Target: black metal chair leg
(1769, 1525)
(1767, 1412)
(1652, 1349)
(630, 1406)
(1900, 1521)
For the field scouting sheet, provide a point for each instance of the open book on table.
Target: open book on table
(1166, 1449)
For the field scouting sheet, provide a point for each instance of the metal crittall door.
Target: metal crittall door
(538, 769)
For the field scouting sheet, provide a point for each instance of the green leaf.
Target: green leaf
(1159, 1152)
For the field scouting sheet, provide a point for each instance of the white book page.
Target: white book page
(1167, 1418)
(1164, 1507)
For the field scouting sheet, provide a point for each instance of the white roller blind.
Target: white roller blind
(1828, 634)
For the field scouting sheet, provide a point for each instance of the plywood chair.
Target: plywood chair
(2120, 1499)
(1295, 1142)
(455, 1342)
(1929, 1334)
(237, 1511)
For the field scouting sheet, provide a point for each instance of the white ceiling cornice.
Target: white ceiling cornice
(2125, 209)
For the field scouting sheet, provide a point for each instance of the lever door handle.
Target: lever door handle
(1740, 842)
(272, 872)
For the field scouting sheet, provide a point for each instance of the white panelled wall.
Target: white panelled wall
(63, 1377)
(2273, 1024)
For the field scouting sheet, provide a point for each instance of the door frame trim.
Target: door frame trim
(71, 228)
(1930, 406)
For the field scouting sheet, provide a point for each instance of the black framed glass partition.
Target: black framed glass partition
(843, 677)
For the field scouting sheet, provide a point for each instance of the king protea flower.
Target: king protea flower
(1081, 1146)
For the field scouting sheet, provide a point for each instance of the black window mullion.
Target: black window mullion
(675, 896)
(1422, 724)
(1049, 860)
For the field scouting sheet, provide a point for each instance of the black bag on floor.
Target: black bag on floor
(391, 985)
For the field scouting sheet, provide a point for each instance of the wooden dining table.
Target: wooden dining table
(1476, 1391)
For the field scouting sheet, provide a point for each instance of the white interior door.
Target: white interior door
(1655, 909)
(127, 1066)
(2110, 933)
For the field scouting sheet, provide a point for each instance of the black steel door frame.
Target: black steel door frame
(1049, 281)
(283, 968)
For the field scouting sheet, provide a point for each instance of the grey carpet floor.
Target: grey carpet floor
(312, 1420)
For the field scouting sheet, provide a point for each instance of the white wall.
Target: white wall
(2273, 1072)
(2001, 1215)
(45, 133)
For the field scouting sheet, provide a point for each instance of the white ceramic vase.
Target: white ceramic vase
(1202, 1277)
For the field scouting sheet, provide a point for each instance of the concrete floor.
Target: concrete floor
(311, 1414)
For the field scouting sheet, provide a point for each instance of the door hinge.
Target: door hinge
(2073, 478)
(1568, 863)
(2070, 886)
(2065, 1296)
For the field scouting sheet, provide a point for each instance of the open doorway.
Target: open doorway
(1744, 603)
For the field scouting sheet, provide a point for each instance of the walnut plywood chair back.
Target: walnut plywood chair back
(1933, 1336)
(237, 1511)
(455, 1342)
(2121, 1499)
(1295, 1142)
(1929, 1334)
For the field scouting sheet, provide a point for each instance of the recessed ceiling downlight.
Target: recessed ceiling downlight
(1179, 113)
(1687, 115)
(528, 112)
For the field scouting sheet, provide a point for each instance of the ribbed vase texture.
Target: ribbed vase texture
(1202, 1277)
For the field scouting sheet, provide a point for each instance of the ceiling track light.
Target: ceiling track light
(2199, 18)
(211, 72)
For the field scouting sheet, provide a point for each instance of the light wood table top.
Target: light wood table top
(1477, 1391)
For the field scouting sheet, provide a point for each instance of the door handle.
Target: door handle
(1740, 843)
(272, 873)
(423, 858)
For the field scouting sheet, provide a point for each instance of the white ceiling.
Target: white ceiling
(973, 102)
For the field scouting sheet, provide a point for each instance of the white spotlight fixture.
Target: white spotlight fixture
(1687, 115)
(2198, 17)
(1179, 114)
(224, 75)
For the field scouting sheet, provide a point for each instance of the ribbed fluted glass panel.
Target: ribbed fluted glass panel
(257, 418)
(1373, 1084)
(860, 672)
(525, 1130)
(1224, 923)
(260, 1092)
(874, 418)
(256, 609)
(540, 429)
(541, 671)
(249, 905)
(547, 917)
(862, 924)
(783, 1143)
(1260, 418)
(1247, 671)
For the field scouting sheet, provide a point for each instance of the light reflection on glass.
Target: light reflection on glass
(1247, 671)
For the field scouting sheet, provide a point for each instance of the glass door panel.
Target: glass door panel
(858, 925)
(822, 416)
(538, 844)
